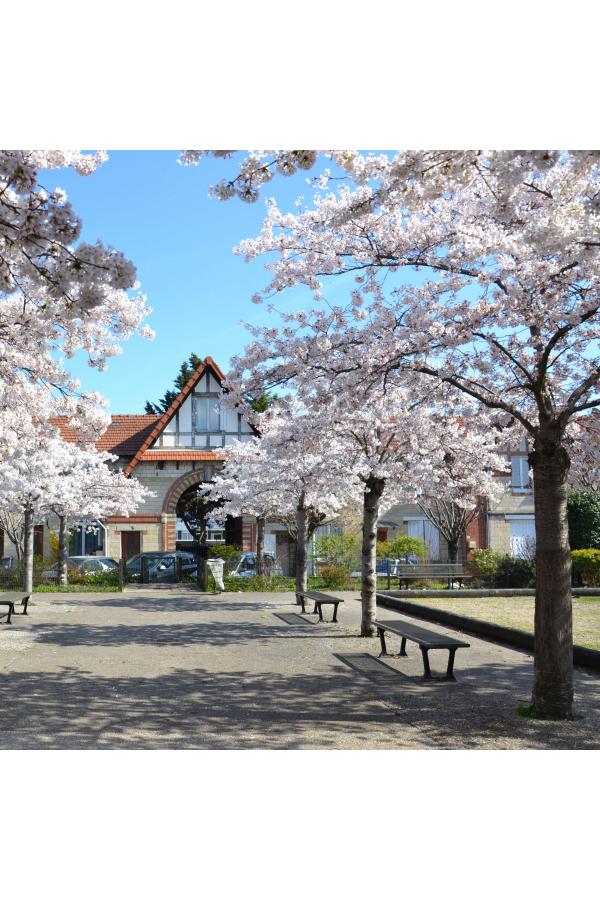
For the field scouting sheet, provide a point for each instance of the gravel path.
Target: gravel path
(177, 669)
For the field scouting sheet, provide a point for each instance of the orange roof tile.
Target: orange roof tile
(183, 455)
(123, 437)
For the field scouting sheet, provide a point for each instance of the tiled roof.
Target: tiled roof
(123, 437)
(133, 435)
(191, 455)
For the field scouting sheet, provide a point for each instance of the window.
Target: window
(208, 414)
(522, 536)
(520, 480)
(182, 533)
(425, 531)
(215, 533)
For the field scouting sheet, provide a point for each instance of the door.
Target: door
(130, 543)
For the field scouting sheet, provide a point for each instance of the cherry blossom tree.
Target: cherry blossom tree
(287, 473)
(463, 477)
(499, 298)
(584, 474)
(399, 439)
(63, 478)
(240, 488)
(58, 295)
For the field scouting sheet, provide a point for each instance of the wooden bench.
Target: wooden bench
(319, 600)
(426, 639)
(446, 571)
(10, 600)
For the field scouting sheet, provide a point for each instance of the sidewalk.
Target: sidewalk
(177, 669)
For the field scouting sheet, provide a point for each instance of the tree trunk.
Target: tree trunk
(28, 551)
(453, 550)
(374, 488)
(553, 658)
(63, 549)
(260, 545)
(301, 546)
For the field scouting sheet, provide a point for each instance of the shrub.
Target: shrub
(335, 576)
(484, 563)
(229, 553)
(583, 509)
(403, 545)
(101, 579)
(338, 549)
(260, 583)
(586, 566)
(514, 572)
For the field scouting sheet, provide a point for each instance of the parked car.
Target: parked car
(88, 565)
(162, 565)
(246, 567)
(381, 567)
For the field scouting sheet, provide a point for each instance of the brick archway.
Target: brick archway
(179, 487)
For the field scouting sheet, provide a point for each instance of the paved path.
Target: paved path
(177, 669)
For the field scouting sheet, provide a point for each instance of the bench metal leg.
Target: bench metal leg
(426, 666)
(403, 648)
(381, 634)
(319, 609)
(450, 669)
(335, 606)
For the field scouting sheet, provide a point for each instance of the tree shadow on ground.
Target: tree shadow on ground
(179, 634)
(245, 709)
(186, 604)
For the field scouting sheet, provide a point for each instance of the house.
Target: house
(507, 526)
(171, 454)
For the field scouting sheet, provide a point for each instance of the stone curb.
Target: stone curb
(486, 592)
(582, 656)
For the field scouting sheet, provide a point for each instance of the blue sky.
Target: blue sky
(158, 213)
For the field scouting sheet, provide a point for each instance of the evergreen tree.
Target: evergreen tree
(584, 520)
(186, 371)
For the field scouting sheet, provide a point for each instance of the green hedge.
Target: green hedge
(586, 567)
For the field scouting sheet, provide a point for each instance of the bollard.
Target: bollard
(178, 569)
(144, 574)
(202, 575)
(122, 574)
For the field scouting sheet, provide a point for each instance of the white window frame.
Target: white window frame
(514, 537)
(212, 400)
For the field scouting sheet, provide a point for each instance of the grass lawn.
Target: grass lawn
(517, 612)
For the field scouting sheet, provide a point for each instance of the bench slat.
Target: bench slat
(318, 596)
(422, 636)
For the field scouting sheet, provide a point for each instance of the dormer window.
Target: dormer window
(207, 414)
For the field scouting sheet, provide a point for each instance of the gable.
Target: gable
(194, 422)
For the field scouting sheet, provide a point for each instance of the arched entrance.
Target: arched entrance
(181, 492)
